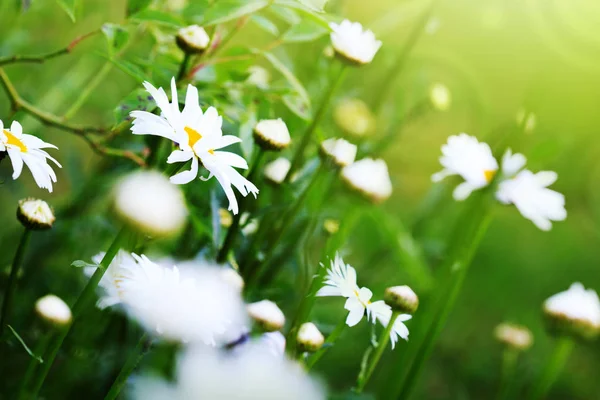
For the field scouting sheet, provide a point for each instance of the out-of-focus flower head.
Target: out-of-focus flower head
(352, 43)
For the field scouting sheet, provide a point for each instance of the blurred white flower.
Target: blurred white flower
(512, 163)
(273, 342)
(353, 43)
(577, 307)
(248, 374)
(339, 151)
(35, 214)
(379, 311)
(184, 305)
(53, 310)
(267, 315)
(277, 170)
(192, 39)
(148, 202)
(514, 336)
(370, 178)
(27, 149)
(198, 136)
(529, 193)
(259, 77)
(440, 97)
(464, 155)
(272, 134)
(111, 293)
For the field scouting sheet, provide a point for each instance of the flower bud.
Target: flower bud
(401, 299)
(370, 178)
(339, 151)
(309, 338)
(516, 337)
(225, 218)
(331, 226)
(354, 117)
(575, 312)
(35, 214)
(232, 277)
(192, 39)
(440, 97)
(272, 134)
(276, 170)
(258, 77)
(267, 315)
(148, 202)
(53, 310)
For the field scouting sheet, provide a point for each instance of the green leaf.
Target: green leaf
(247, 123)
(305, 31)
(131, 69)
(286, 14)
(82, 264)
(27, 349)
(302, 100)
(69, 6)
(316, 5)
(135, 6)
(138, 99)
(158, 17)
(229, 10)
(265, 24)
(308, 12)
(296, 105)
(116, 36)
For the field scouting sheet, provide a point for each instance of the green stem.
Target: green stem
(83, 301)
(554, 366)
(308, 134)
(183, 66)
(331, 339)
(459, 265)
(387, 83)
(509, 368)
(288, 218)
(382, 344)
(31, 366)
(12, 279)
(133, 360)
(235, 224)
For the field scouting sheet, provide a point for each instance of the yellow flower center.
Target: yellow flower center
(193, 136)
(12, 139)
(489, 174)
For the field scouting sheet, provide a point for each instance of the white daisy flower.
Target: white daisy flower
(464, 155)
(24, 148)
(250, 373)
(53, 310)
(339, 151)
(340, 279)
(530, 194)
(192, 39)
(512, 163)
(111, 293)
(379, 311)
(276, 171)
(185, 305)
(353, 43)
(198, 136)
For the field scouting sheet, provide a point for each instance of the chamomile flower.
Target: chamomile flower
(574, 311)
(464, 155)
(192, 39)
(339, 152)
(184, 305)
(199, 136)
(27, 149)
(370, 178)
(350, 41)
(340, 279)
(530, 194)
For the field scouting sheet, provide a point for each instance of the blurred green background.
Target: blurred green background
(498, 58)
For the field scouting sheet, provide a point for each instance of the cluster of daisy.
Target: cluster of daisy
(341, 281)
(474, 162)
